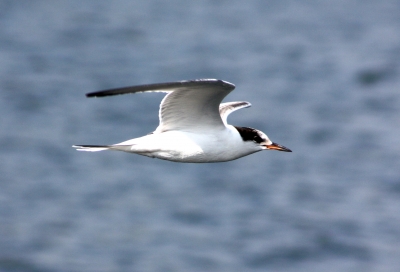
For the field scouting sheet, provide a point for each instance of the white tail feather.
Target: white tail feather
(91, 148)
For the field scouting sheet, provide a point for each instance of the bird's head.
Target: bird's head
(260, 139)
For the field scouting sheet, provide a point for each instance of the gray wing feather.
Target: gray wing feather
(189, 105)
(195, 107)
(164, 87)
(227, 108)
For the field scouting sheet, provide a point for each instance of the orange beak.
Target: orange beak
(275, 146)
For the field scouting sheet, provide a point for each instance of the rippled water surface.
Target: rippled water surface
(323, 79)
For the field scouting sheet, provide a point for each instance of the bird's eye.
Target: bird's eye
(257, 139)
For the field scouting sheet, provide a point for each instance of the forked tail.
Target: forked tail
(91, 148)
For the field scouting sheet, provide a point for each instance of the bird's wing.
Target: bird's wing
(227, 108)
(189, 105)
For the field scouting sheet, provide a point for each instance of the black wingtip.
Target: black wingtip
(117, 91)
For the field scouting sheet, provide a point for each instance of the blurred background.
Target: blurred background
(323, 78)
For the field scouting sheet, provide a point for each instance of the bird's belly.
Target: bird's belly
(180, 152)
(200, 157)
(195, 153)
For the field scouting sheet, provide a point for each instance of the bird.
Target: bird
(193, 125)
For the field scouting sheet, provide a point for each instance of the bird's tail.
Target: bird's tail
(91, 148)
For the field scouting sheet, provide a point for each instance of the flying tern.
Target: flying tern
(193, 125)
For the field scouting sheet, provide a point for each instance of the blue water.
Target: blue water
(323, 78)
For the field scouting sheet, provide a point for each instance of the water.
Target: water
(323, 80)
